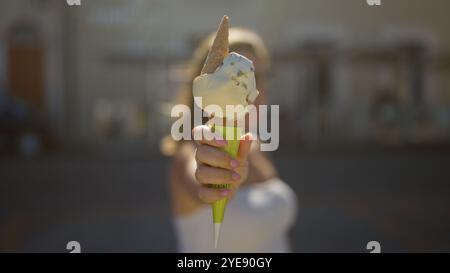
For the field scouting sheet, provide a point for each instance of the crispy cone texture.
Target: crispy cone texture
(219, 48)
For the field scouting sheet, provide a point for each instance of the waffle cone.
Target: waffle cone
(219, 48)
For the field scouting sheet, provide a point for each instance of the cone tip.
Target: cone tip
(216, 233)
(224, 24)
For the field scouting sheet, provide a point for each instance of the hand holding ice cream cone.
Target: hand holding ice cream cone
(227, 79)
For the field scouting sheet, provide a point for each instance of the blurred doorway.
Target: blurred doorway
(25, 66)
(23, 126)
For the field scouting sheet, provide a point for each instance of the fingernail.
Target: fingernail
(221, 142)
(234, 164)
(224, 193)
(235, 176)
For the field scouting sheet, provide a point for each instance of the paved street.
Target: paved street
(346, 200)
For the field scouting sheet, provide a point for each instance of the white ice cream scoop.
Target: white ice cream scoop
(233, 83)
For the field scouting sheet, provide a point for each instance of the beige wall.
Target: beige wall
(122, 50)
(139, 30)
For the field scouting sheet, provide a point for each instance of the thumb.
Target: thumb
(244, 146)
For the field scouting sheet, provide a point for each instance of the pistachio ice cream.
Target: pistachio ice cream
(233, 83)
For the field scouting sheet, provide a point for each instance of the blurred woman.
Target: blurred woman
(262, 207)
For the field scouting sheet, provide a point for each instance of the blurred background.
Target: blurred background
(364, 95)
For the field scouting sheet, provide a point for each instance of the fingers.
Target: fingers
(215, 166)
(214, 157)
(209, 154)
(211, 195)
(204, 135)
(210, 175)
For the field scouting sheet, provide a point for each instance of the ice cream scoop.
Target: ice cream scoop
(233, 83)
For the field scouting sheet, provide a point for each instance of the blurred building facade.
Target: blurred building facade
(99, 75)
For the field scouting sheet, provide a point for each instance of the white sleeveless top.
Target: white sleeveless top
(256, 220)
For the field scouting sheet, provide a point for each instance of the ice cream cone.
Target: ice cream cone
(217, 53)
(218, 87)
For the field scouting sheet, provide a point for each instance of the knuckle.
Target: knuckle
(196, 156)
(203, 174)
(198, 174)
(201, 153)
